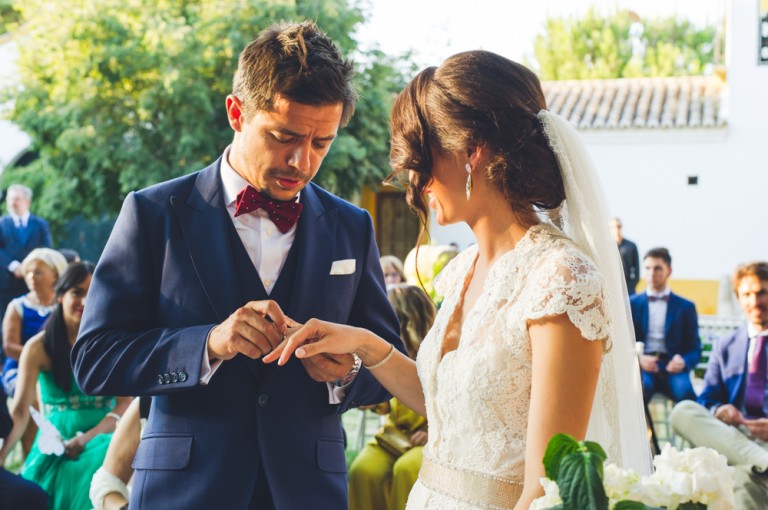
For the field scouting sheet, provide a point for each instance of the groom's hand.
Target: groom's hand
(253, 330)
(328, 367)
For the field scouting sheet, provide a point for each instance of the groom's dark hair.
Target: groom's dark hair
(297, 61)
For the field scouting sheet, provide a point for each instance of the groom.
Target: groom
(201, 277)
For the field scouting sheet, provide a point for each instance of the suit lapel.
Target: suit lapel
(202, 218)
(316, 235)
(741, 355)
(645, 317)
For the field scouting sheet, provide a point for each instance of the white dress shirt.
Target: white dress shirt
(266, 246)
(657, 319)
(18, 221)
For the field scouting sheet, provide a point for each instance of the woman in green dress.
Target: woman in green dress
(85, 423)
(382, 475)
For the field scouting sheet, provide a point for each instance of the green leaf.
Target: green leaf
(692, 506)
(580, 482)
(595, 448)
(631, 505)
(558, 447)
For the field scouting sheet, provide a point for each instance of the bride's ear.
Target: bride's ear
(475, 155)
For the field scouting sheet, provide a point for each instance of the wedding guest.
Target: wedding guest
(668, 326)
(85, 423)
(383, 473)
(630, 258)
(109, 485)
(15, 492)
(731, 415)
(393, 269)
(27, 313)
(517, 347)
(20, 233)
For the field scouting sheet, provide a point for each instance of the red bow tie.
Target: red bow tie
(283, 214)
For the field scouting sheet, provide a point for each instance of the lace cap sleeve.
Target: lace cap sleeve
(570, 284)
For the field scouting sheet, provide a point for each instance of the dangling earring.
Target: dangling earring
(469, 180)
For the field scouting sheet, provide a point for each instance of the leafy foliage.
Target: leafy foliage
(120, 94)
(619, 45)
(9, 16)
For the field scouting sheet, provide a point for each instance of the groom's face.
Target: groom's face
(280, 151)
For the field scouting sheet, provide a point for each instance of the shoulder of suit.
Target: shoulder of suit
(682, 300)
(160, 192)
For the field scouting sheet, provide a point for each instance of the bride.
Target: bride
(533, 336)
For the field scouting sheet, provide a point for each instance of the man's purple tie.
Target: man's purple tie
(283, 214)
(754, 397)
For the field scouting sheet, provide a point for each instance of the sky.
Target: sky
(436, 29)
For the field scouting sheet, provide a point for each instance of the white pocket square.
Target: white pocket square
(346, 266)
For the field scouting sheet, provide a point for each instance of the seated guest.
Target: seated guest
(393, 269)
(109, 486)
(381, 476)
(668, 326)
(731, 413)
(15, 492)
(27, 313)
(85, 423)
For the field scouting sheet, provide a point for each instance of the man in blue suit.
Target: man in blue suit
(668, 326)
(204, 274)
(731, 415)
(20, 233)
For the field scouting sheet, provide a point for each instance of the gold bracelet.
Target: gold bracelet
(386, 358)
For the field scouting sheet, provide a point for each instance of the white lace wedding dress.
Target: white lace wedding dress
(477, 396)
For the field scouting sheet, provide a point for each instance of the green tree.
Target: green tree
(9, 16)
(620, 45)
(121, 94)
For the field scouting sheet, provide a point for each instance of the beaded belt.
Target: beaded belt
(483, 490)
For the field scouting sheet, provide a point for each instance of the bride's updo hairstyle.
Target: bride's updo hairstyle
(477, 98)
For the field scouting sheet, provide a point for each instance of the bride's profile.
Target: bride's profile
(533, 337)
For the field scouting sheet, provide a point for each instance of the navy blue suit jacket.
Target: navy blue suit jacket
(681, 329)
(13, 247)
(725, 379)
(166, 277)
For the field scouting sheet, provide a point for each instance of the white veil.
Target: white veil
(617, 421)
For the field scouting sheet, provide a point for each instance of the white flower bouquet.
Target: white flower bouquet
(578, 478)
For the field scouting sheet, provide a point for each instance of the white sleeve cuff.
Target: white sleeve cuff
(13, 265)
(206, 368)
(103, 483)
(335, 393)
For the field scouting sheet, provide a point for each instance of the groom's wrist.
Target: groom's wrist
(349, 376)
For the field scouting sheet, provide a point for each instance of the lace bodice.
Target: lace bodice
(477, 397)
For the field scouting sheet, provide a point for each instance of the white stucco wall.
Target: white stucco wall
(723, 221)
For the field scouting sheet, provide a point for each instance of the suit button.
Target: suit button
(167, 378)
(182, 376)
(160, 379)
(174, 377)
(263, 399)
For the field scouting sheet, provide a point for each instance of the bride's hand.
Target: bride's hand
(318, 337)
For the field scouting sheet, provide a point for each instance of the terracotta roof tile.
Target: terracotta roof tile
(640, 103)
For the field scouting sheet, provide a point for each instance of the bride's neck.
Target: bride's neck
(496, 234)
